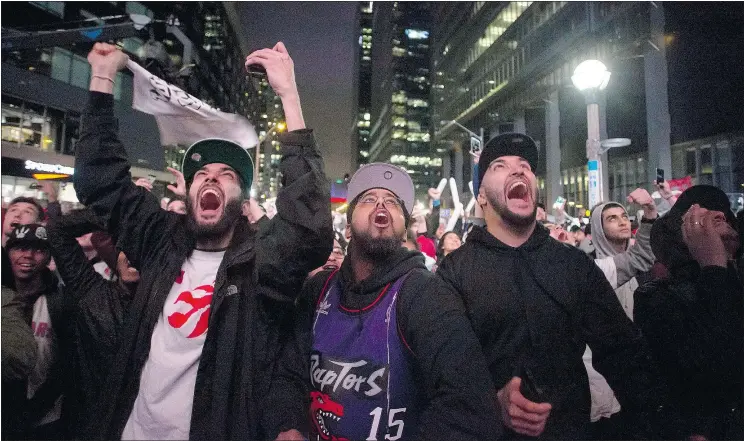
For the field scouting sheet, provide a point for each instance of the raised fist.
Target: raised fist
(106, 59)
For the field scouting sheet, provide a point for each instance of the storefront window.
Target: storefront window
(690, 163)
(724, 177)
(706, 166)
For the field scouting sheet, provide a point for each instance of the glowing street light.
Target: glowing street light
(591, 77)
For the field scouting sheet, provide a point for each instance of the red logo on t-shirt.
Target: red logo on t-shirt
(198, 304)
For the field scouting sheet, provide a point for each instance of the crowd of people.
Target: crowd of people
(203, 317)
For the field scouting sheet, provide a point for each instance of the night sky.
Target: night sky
(320, 38)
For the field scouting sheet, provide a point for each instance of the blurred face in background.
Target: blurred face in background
(558, 233)
(21, 213)
(335, 259)
(450, 242)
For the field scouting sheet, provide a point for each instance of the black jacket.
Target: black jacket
(267, 270)
(98, 308)
(693, 323)
(454, 385)
(534, 308)
(21, 412)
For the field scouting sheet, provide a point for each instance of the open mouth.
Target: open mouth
(382, 219)
(518, 191)
(319, 418)
(330, 266)
(210, 200)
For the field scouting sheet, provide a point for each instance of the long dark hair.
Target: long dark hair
(440, 245)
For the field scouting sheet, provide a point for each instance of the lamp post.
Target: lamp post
(591, 77)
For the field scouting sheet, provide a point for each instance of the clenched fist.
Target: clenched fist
(106, 59)
(641, 197)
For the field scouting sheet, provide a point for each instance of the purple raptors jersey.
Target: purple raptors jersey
(360, 371)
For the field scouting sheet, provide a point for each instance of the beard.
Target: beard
(231, 214)
(373, 248)
(508, 216)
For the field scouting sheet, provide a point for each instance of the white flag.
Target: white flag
(184, 119)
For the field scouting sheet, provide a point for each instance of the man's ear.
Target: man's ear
(481, 199)
(347, 232)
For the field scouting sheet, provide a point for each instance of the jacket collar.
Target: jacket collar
(538, 238)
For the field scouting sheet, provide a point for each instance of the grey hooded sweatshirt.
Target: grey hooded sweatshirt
(620, 269)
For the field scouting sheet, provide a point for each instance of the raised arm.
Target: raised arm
(102, 179)
(300, 237)
(99, 305)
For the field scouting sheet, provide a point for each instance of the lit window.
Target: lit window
(415, 34)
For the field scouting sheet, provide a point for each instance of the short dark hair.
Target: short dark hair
(575, 228)
(541, 205)
(440, 245)
(40, 215)
(607, 207)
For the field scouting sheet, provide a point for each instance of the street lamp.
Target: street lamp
(591, 77)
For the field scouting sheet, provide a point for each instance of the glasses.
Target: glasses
(388, 201)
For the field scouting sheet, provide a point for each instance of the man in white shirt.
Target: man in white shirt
(205, 328)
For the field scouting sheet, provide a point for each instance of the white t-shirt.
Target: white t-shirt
(163, 406)
(46, 355)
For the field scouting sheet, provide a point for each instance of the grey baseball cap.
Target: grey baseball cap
(381, 175)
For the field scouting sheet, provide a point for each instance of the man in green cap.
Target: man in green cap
(206, 325)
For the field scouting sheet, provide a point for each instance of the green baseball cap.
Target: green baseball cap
(218, 151)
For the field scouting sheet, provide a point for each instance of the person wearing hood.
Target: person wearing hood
(693, 319)
(536, 303)
(387, 346)
(620, 262)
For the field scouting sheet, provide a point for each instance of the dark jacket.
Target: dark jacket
(458, 395)
(22, 412)
(18, 360)
(266, 269)
(693, 323)
(98, 306)
(534, 308)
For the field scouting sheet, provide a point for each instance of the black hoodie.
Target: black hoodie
(449, 364)
(693, 323)
(534, 308)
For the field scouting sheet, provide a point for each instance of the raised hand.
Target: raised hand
(641, 197)
(701, 235)
(144, 183)
(180, 188)
(665, 190)
(435, 194)
(280, 73)
(279, 68)
(106, 59)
